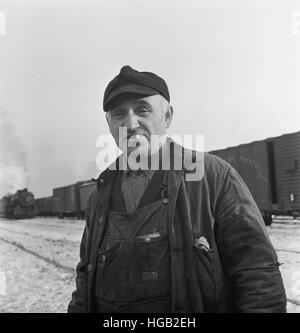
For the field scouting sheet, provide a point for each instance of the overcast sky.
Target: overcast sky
(232, 68)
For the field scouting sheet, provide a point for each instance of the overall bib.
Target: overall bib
(133, 266)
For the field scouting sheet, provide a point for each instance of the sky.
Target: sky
(232, 68)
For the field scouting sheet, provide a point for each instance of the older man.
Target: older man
(156, 241)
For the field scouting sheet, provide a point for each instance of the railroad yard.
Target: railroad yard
(38, 257)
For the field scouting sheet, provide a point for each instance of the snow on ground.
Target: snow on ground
(38, 259)
(285, 237)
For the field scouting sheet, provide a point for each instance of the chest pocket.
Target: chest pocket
(149, 268)
(133, 270)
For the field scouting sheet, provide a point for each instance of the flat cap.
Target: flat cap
(130, 82)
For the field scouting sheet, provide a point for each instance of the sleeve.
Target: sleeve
(247, 254)
(78, 299)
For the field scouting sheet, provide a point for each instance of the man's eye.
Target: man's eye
(118, 115)
(143, 110)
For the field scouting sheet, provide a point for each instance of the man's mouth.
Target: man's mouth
(136, 136)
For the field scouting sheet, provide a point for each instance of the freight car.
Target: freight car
(71, 200)
(271, 170)
(85, 191)
(44, 206)
(66, 201)
(18, 205)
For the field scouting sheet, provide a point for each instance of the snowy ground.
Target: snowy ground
(285, 236)
(38, 258)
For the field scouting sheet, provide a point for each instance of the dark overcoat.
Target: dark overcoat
(240, 272)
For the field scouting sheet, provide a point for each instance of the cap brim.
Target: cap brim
(129, 90)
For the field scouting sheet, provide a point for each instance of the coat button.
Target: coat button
(90, 267)
(101, 220)
(165, 200)
(101, 180)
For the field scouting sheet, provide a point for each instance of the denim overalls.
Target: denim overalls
(133, 266)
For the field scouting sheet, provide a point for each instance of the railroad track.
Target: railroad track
(34, 253)
(42, 237)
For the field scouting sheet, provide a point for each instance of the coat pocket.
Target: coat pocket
(205, 268)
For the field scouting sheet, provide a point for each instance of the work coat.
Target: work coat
(237, 272)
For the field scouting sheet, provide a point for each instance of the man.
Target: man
(158, 241)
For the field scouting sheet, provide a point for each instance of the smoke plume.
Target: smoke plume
(13, 157)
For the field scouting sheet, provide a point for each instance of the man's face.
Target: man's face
(144, 116)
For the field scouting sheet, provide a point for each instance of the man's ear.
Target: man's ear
(106, 117)
(169, 115)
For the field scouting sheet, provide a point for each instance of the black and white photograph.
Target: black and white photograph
(149, 158)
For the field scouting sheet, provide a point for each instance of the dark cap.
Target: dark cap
(130, 82)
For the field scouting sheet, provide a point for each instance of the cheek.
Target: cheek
(161, 123)
(156, 127)
(114, 130)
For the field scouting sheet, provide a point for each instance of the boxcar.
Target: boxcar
(58, 195)
(271, 170)
(38, 205)
(44, 206)
(66, 201)
(287, 173)
(71, 203)
(85, 191)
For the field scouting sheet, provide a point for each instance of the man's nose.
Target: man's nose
(131, 121)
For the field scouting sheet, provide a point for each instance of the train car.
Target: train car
(58, 195)
(38, 204)
(71, 203)
(66, 200)
(270, 169)
(44, 206)
(85, 191)
(254, 165)
(287, 173)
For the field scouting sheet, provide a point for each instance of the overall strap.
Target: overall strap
(154, 190)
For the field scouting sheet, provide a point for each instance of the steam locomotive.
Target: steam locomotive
(19, 205)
